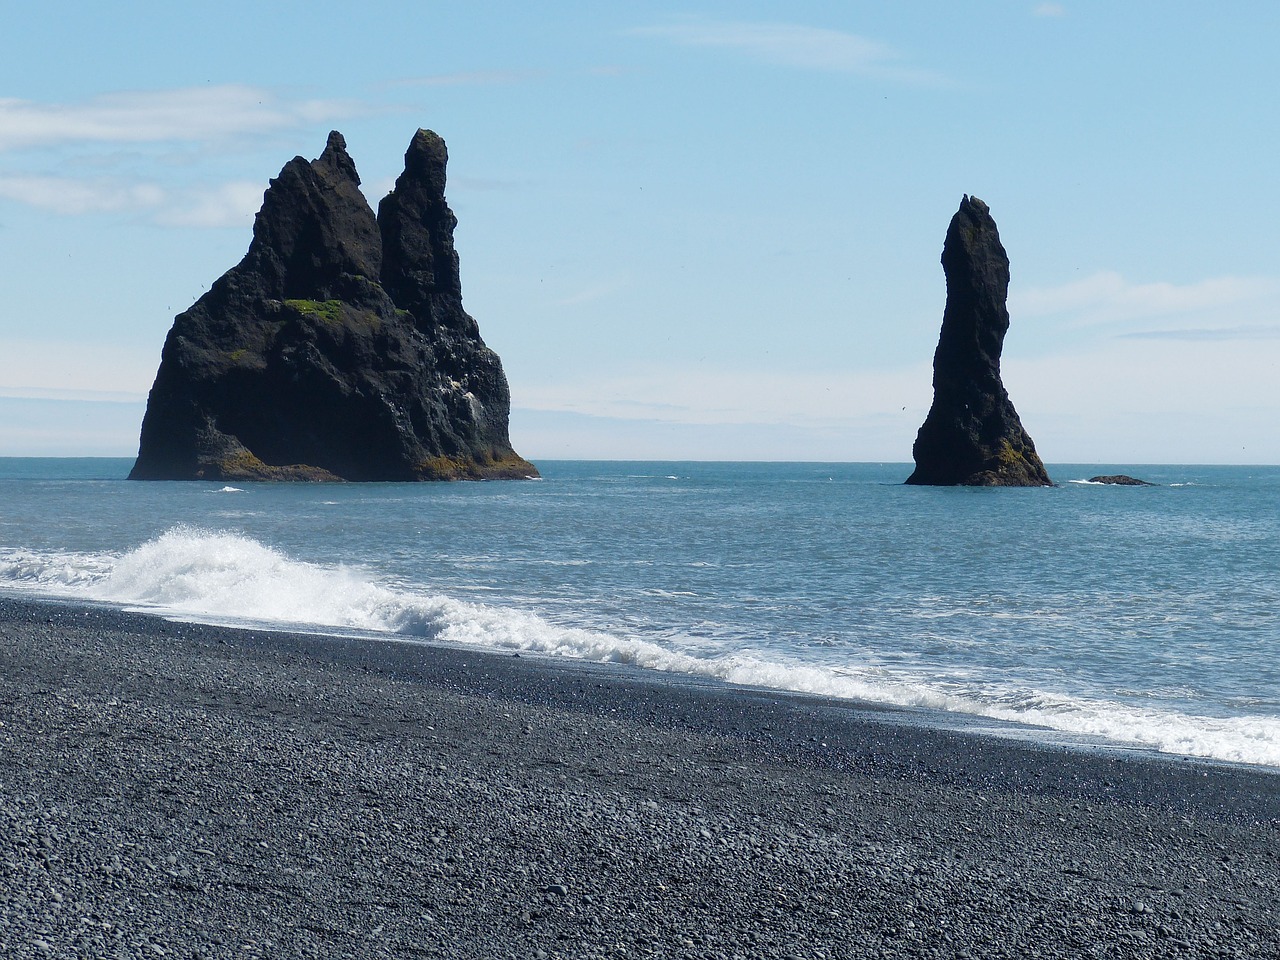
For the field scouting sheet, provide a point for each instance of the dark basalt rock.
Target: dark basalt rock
(1121, 480)
(338, 348)
(972, 435)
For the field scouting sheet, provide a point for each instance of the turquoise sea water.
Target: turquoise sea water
(1147, 616)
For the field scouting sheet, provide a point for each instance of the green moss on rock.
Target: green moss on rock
(327, 311)
(242, 465)
(510, 467)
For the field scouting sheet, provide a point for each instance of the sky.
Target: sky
(691, 231)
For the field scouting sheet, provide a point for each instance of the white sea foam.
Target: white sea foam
(229, 489)
(57, 574)
(225, 577)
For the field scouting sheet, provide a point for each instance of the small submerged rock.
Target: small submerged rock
(1121, 480)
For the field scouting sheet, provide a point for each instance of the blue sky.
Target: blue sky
(690, 231)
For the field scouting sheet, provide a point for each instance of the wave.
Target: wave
(227, 578)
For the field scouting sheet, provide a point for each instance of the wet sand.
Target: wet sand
(188, 791)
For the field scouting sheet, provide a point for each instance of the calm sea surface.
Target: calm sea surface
(1148, 616)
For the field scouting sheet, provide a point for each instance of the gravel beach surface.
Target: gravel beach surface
(175, 790)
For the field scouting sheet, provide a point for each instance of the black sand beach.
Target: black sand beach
(170, 790)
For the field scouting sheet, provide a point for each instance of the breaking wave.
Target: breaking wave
(227, 578)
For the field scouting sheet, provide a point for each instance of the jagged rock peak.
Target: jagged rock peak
(420, 264)
(427, 158)
(334, 158)
(314, 230)
(337, 349)
(972, 435)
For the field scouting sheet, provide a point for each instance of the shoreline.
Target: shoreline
(369, 647)
(211, 791)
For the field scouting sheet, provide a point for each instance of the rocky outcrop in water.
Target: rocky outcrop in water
(338, 348)
(1121, 480)
(972, 435)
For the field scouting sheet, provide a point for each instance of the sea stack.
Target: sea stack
(338, 348)
(972, 435)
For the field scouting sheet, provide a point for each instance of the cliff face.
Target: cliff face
(972, 435)
(337, 349)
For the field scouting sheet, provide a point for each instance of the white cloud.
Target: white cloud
(474, 78)
(223, 205)
(795, 45)
(1151, 401)
(1049, 10)
(549, 435)
(1108, 298)
(76, 370)
(704, 395)
(1256, 331)
(597, 291)
(67, 195)
(1147, 376)
(68, 428)
(1116, 400)
(196, 114)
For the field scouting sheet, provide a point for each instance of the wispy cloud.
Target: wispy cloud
(486, 184)
(702, 394)
(1108, 298)
(1049, 10)
(70, 196)
(1129, 375)
(1257, 331)
(1150, 400)
(598, 291)
(796, 45)
(222, 205)
(474, 78)
(75, 370)
(1116, 400)
(70, 393)
(196, 114)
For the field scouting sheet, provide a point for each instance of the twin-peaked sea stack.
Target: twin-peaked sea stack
(972, 435)
(338, 348)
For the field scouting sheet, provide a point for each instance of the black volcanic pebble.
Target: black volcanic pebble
(178, 790)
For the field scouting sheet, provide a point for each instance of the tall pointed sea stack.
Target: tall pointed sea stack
(338, 348)
(972, 435)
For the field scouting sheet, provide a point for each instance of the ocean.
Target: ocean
(1129, 617)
